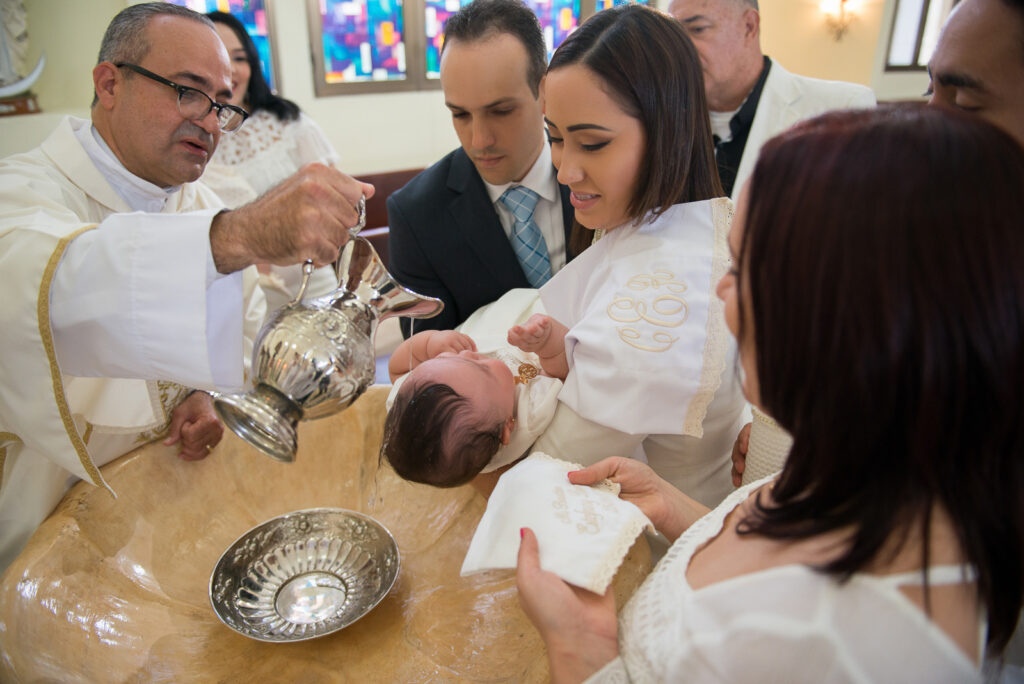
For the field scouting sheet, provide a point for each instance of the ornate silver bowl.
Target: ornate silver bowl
(304, 574)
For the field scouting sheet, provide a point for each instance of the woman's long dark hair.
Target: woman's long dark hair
(258, 95)
(649, 66)
(884, 265)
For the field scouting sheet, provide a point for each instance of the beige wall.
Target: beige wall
(402, 130)
(371, 132)
(795, 33)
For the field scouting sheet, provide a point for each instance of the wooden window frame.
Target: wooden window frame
(413, 20)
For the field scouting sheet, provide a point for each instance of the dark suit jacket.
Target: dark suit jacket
(445, 240)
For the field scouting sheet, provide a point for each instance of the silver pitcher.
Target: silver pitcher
(314, 358)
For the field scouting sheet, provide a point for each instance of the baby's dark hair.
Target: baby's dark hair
(430, 436)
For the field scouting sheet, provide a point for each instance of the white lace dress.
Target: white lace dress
(785, 624)
(262, 153)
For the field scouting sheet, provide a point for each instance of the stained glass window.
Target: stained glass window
(558, 18)
(387, 45)
(363, 40)
(253, 15)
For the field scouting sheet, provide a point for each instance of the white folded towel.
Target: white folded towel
(583, 532)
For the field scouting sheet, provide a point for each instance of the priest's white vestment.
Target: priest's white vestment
(105, 278)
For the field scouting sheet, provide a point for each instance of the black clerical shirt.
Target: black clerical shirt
(728, 154)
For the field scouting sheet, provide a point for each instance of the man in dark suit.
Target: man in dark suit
(457, 230)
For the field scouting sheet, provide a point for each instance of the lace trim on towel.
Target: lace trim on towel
(617, 551)
(604, 485)
(620, 546)
(717, 340)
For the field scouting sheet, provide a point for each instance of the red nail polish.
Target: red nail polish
(522, 531)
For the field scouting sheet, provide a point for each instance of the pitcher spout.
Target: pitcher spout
(362, 275)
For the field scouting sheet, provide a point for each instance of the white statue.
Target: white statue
(13, 50)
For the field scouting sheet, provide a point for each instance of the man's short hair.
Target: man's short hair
(483, 19)
(125, 39)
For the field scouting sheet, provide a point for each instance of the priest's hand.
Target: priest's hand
(307, 216)
(195, 427)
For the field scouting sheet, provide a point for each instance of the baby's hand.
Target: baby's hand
(531, 335)
(448, 341)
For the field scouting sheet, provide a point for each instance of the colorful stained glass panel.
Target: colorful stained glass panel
(253, 14)
(363, 40)
(558, 18)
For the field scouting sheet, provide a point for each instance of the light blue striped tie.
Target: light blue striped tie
(527, 240)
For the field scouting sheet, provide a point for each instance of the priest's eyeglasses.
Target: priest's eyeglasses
(194, 104)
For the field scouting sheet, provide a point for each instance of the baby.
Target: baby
(455, 412)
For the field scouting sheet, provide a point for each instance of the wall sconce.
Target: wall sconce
(838, 16)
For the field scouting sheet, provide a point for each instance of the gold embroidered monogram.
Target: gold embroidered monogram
(659, 305)
(588, 516)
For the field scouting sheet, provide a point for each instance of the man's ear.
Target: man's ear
(106, 79)
(752, 23)
(540, 91)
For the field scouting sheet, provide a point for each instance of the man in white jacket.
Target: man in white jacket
(124, 283)
(750, 97)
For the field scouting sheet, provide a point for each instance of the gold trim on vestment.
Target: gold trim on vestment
(716, 340)
(6, 438)
(46, 334)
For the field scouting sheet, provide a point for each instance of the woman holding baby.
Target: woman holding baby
(877, 299)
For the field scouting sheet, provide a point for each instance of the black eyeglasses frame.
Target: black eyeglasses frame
(222, 119)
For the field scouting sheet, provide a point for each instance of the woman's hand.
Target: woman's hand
(739, 455)
(579, 627)
(668, 509)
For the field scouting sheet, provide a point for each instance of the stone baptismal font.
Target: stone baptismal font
(117, 590)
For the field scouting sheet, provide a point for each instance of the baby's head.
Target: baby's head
(450, 416)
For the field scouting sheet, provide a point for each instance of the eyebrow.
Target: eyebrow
(695, 17)
(580, 127)
(496, 103)
(198, 82)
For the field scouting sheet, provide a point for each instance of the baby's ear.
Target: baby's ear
(506, 430)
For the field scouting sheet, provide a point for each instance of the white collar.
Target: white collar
(540, 178)
(139, 194)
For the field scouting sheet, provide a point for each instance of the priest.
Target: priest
(126, 285)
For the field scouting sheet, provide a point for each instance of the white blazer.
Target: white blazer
(788, 98)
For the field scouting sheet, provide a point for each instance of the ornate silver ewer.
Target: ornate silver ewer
(314, 358)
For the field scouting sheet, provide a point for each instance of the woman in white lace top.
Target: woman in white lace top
(276, 141)
(277, 138)
(877, 298)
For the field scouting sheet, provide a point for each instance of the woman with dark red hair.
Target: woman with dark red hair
(877, 297)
